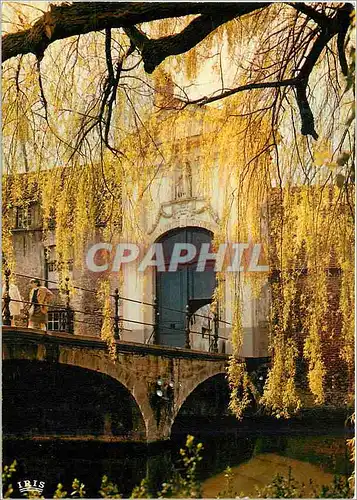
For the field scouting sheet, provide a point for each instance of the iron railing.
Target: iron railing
(71, 314)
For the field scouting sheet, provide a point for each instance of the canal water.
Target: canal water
(256, 450)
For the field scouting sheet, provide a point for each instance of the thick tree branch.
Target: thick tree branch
(319, 18)
(338, 23)
(307, 118)
(341, 37)
(155, 51)
(62, 22)
(306, 115)
(343, 19)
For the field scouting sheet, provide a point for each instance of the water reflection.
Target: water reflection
(128, 463)
(254, 475)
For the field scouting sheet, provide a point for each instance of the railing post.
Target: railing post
(6, 316)
(116, 315)
(187, 327)
(68, 309)
(215, 332)
(156, 321)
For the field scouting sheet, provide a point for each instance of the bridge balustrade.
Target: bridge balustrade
(64, 317)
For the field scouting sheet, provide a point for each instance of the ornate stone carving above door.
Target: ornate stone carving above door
(184, 212)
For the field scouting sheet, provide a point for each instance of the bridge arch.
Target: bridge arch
(51, 399)
(203, 384)
(90, 361)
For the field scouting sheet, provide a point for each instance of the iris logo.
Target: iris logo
(34, 486)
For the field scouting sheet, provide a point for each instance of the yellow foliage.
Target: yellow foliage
(235, 146)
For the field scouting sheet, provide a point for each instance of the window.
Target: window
(23, 217)
(52, 219)
(52, 267)
(57, 321)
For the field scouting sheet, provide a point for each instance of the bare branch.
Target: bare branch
(250, 86)
(108, 55)
(43, 97)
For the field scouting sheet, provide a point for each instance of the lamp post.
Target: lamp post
(187, 327)
(156, 321)
(68, 308)
(215, 334)
(6, 316)
(162, 396)
(164, 389)
(116, 315)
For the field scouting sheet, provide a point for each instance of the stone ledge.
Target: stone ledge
(18, 335)
(129, 438)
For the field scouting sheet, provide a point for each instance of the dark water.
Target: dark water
(225, 444)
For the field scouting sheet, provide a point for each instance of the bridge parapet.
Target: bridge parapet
(66, 315)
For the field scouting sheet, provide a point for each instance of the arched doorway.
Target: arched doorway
(183, 287)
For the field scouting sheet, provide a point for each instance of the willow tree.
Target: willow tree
(97, 101)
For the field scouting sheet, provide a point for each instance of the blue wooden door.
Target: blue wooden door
(186, 286)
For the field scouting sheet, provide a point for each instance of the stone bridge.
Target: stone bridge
(136, 370)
